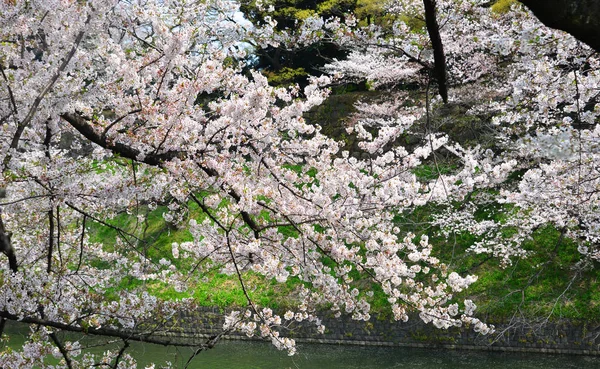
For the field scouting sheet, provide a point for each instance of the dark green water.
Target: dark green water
(256, 355)
(262, 355)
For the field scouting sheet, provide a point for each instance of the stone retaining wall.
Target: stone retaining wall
(565, 336)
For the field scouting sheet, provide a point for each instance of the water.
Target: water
(262, 355)
(258, 355)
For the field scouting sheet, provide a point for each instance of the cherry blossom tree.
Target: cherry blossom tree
(155, 97)
(536, 86)
(157, 90)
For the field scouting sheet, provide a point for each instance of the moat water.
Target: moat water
(262, 355)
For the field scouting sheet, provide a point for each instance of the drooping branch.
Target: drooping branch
(81, 244)
(108, 332)
(580, 18)
(58, 229)
(47, 141)
(11, 96)
(50, 240)
(120, 354)
(209, 344)
(439, 58)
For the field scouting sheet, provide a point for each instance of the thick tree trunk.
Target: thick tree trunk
(5, 243)
(580, 18)
(6, 249)
(439, 58)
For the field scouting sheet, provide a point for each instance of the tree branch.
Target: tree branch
(50, 240)
(10, 94)
(6, 247)
(105, 332)
(121, 352)
(62, 350)
(36, 103)
(85, 127)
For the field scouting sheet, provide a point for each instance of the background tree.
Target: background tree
(579, 18)
(534, 90)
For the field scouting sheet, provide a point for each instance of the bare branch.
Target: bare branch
(120, 354)
(10, 94)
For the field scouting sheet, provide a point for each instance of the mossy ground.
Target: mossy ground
(210, 287)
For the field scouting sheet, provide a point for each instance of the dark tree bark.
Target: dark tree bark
(439, 58)
(110, 332)
(580, 18)
(6, 247)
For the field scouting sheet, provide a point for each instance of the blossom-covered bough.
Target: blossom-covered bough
(111, 107)
(538, 89)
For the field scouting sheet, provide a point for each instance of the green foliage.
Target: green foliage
(370, 11)
(288, 13)
(167, 292)
(336, 7)
(220, 290)
(414, 23)
(288, 231)
(285, 76)
(429, 172)
(302, 14)
(503, 6)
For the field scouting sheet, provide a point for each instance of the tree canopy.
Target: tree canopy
(114, 112)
